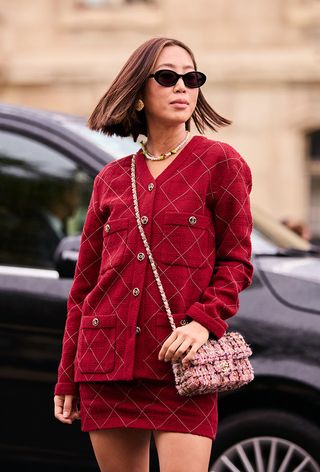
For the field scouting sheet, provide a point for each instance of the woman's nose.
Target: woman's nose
(180, 84)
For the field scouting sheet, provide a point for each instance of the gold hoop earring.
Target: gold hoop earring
(139, 105)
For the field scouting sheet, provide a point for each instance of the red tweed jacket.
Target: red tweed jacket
(197, 219)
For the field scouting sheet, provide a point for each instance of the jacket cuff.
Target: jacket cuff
(66, 389)
(216, 326)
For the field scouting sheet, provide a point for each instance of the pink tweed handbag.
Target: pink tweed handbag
(218, 365)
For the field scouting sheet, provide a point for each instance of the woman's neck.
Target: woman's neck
(163, 140)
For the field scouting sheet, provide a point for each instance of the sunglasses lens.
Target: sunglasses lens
(194, 79)
(166, 78)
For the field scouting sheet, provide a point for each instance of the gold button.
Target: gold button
(144, 220)
(192, 220)
(136, 291)
(140, 256)
(224, 366)
(95, 321)
(150, 186)
(107, 228)
(184, 322)
(138, 330)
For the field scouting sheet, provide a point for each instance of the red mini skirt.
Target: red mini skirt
(146, 404)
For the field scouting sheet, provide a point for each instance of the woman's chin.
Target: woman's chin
(176, 119)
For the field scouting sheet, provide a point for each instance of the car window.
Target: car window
(44, 197)
(262, 245)
(115, 146)
(271, 232)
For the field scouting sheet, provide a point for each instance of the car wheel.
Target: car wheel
(266, 440)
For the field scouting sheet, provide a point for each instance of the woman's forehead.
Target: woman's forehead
(171, 56)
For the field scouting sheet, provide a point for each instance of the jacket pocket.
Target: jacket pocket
(185, 239)
(96, 345)
(115, 234)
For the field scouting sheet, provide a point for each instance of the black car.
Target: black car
(47, 165)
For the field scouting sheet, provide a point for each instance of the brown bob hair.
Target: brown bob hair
(115, 112)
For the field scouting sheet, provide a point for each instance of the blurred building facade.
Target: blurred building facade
(262, 60)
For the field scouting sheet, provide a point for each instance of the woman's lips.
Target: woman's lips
(179, 104)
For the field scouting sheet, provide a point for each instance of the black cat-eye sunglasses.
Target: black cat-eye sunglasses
(168, 78)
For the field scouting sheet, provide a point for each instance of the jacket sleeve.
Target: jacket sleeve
(229, 201)
(85, 278)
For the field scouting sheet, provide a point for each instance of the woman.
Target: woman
(193, 194)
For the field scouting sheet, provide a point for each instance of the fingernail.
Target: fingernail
(65, 414)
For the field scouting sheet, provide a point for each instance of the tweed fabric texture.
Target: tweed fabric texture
(197, 218)
(218, 365)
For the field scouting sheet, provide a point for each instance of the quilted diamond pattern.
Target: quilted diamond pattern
(96, 350)
(147, 404)
(199, 228)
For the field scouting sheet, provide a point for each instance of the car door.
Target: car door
(44, 195)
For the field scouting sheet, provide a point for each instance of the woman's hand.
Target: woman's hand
(185, 339)
(66, 408)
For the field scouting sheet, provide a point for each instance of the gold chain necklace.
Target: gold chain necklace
(164, 155)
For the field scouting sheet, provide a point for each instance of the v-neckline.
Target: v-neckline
(171, 167)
